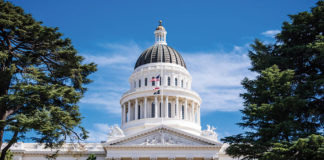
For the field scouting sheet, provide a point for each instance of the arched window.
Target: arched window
(182, 112)
(139, 112)
(145, 81)
(176, 81)
(169, 110)
(160, 81)
(139, 83)
(153, 82)
(169, 81)
(153, 110)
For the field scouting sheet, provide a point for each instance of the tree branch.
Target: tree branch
(11, 142)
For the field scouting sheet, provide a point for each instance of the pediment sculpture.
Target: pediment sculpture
(115, 132)
(209, 132)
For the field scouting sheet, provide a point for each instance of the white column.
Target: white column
(177, 107)
(166, 113)
(128, 113)
(136, 110)
(155, 107)
(198, 107)
(192, 112)
(162, 102)
(145, 107)
(123, 114)
(186, 110)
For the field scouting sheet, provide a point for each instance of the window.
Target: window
(169, 81)
(145, 82)
(182, 83)
(139, 83)
(160, 110)
(153, 82)
(182, 110)
(169, 110)
(153, 110)
(134, 84)
(175, 110)
(176, 81)
(139, 112)
(160, 81)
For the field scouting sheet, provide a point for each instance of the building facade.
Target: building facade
(160, 116)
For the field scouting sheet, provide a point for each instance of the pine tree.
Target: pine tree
(42, 79)
(284, 105)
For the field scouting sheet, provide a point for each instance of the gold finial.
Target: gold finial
(160, 23)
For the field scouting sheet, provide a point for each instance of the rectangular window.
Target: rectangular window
(182, 83)
(160, 110)
(169, 110)
(134, 84)
(176, 81)
(139, 112)
(139, 83)
(182, 110)
(145, 82)
(169, 81)
(153, 111)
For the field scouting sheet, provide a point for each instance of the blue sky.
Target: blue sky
(212, 36)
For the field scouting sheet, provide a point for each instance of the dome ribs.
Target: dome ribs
(147, 57)
(153, 55)
(166, 57)
(172, 56)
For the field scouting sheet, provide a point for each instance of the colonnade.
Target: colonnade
(157, 107)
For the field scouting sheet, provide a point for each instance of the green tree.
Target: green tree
(310, 148)
(42, 78)
(92, 157)
(9, 155)
(281, 108)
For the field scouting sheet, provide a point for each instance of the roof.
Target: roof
(153, 55)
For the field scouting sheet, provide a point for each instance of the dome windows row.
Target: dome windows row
(147, 82)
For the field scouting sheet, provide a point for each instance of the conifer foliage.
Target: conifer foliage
(284, 106)
(42, 78)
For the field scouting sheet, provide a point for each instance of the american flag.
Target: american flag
(157, 78)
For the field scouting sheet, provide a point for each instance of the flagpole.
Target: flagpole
(161, 85)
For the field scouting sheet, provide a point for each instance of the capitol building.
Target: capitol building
(160, 117)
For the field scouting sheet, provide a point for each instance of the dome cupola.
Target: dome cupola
(160, 51)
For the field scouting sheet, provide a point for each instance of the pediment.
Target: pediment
(163, 136)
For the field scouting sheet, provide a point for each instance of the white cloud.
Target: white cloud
(216, 76)
(98, 133)
(270, 33)
(116, 54)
